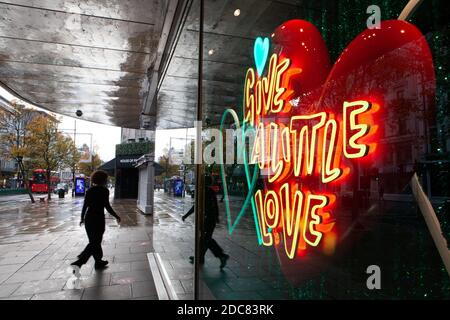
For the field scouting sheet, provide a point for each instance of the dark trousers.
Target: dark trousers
(209, 242)
(95, 227)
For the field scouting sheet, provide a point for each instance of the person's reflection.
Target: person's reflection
(211, 219)
(380, 190)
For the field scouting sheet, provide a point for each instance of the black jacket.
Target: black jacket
(211, 206)
(96, 201)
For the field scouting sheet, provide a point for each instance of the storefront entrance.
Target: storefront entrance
(127, 180)
(348, 102)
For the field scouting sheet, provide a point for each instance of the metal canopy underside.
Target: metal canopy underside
(92, 55)
(232, 40)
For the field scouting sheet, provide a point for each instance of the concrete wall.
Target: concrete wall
(146, 188)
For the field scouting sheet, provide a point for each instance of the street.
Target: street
(38, 242)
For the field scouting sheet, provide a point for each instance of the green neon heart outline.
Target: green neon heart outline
(247, 174)
(261, 53)
(251, 182)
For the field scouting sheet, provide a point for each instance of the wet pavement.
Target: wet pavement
(250, 272)
(39, 241)
(391, 234)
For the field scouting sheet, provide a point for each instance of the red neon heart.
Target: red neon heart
(375, 66)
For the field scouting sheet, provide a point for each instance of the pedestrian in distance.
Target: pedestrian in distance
(380, 190)
(211, 219)
(93, 217)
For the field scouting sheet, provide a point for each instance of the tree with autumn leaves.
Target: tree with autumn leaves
(169, 168)
(13, 131)
(87, 168)
(48, 148)
(33, 136)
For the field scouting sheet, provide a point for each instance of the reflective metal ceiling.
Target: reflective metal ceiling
(231, 39)
(91, 55)
(94, 55)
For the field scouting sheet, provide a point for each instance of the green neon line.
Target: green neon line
(250, 188)
(251, 183)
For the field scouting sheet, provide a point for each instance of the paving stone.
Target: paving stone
(155, 297)
(143, 289)
(40, 258)
(32, 266)
(130, 277)
(178, 288)
(187, 296)
(10, 268)
(116, 292)
(59, 295)
(26, 297)
(171, 255)
(140, 265)
(29, 276)
(247, 284)
(180, 263)
(177, 272)
(7, 289)
(118, 267)
(4, 276)
(20, 253)
(117, 251)
(242, 295)
(97, 280)
(34, 287)
(130, 257)
(188, 285)
(141, 249)
(14, 260)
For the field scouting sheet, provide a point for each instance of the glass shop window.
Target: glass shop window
(350, 157)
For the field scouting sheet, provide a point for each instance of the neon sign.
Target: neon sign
(289, 147)
(310, 129)
(308, 144)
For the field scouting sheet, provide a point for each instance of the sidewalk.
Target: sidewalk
(393, 236)
(250, 273)
(39, 241)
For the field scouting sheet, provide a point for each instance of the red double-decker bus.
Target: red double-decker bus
(216, 184)
(38, 181)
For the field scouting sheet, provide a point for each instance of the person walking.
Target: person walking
(211, 219)
(222, 189)
(380, 190)
(93, 217)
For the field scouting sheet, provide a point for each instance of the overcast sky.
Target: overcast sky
(105, 138)
(175, 138)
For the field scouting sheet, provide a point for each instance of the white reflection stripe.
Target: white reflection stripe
(432, 221)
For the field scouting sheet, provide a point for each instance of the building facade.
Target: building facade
(338, 113)
(317, 206)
